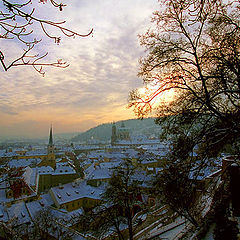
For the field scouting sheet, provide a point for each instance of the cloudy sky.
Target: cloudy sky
(94, 88)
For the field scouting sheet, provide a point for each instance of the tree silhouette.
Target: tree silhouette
(17, 22)
(120, 201)
(193, 51)
(123, 193)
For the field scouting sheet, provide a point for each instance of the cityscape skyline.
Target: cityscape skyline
(94, 88)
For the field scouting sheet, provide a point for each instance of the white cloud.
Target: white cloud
(102, 68)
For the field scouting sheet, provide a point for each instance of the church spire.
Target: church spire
(50, 161)
(50, 137)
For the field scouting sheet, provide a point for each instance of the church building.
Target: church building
(50, 159)
(51, 173)
(120, 134)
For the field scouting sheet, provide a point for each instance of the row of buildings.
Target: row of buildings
(69, 182)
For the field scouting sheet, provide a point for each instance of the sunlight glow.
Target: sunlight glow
(165, 96)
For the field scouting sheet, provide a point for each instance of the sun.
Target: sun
(151, 93)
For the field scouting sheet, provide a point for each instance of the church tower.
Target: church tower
(50, 142)
(114, 134)
(123, 133)
(49, 159)
(50, 151)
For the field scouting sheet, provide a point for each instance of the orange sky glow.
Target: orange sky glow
(94, 88)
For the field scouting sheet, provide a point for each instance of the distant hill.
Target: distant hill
(65, 136)
(103, 132)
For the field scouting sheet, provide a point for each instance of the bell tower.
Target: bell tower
(114, 134)
(50, 143)
(50, 151)
(49, 159)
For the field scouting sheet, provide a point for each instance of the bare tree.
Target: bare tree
(17, 22)
(193, 51)
(115, 214)
(123, 192)
(174, 188)
(102, 221)
(46, 225)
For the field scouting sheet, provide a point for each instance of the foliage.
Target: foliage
(18, 22)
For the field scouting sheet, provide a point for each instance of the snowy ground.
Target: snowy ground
(173, 233)
(167, 232)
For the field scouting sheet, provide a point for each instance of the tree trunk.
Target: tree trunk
(130, 227)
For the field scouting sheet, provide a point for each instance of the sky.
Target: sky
(94, 88)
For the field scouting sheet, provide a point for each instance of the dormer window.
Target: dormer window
(68, 193)
(23, 214)
(59, 196)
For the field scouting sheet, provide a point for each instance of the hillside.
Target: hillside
(103, 132)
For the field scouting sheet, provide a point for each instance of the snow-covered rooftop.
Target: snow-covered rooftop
(19, 212)
(63, 168)
(14, 163)
(76, 190)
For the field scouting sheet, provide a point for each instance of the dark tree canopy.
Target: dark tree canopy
(175, 189)
(194, 52)
(18, 22)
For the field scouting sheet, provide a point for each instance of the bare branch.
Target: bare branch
(17, 23)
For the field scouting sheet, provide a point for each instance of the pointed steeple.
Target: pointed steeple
(50, 137)
(50, 152)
